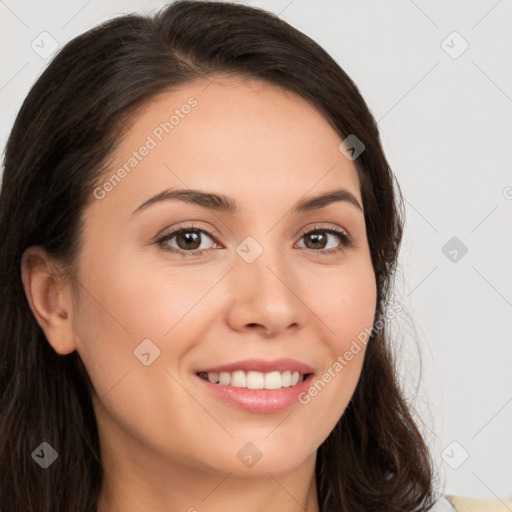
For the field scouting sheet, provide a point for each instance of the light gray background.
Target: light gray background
(445, 120)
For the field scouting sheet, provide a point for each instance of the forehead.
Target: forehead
(245, 138)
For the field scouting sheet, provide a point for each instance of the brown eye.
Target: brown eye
(187, 240)
(326, 241)
(315, 240)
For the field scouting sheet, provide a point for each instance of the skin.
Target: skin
(167, 443)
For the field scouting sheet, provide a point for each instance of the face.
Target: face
(182, 288)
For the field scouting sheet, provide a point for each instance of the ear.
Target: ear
(49, 299)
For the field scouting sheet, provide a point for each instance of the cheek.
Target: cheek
(151, 297)
(124, 303)
(346, 304)
(347, 310)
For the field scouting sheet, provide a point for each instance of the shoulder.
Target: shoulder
(452, 503)
(443, 505)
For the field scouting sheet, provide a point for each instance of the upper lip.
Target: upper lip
(261, 365)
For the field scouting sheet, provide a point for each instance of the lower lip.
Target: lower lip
(264, 401)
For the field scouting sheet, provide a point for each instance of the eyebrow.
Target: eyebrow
(225, 204)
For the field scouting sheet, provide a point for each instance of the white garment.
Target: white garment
(442, 505)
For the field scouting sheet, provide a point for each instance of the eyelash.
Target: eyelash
(345, 239)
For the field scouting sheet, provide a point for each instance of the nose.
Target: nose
(266, 295)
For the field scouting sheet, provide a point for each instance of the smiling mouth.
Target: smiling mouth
(255, 380)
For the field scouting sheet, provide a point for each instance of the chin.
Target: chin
(244, 458)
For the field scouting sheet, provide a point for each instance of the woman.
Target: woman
(249, 371)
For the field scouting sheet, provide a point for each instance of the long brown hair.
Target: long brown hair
(69, 124)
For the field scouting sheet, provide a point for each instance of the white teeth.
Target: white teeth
(238, 379)
(273, 380)
(225, 378)
(255, 380)
(213, 378)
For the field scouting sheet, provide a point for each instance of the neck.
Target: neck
(192, 490)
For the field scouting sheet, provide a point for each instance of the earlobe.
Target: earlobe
(49, 300)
